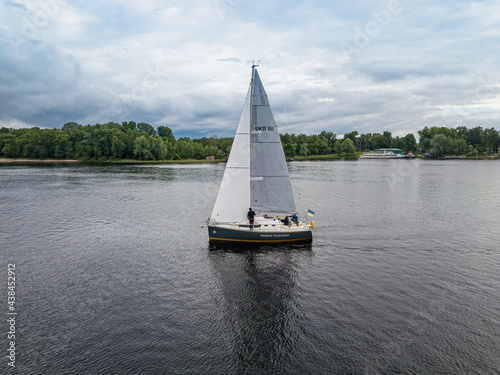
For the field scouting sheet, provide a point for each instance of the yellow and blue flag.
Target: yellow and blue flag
(310, 213)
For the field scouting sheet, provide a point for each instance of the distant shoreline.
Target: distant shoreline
(10, 161)
(117, 161)
(35, 161)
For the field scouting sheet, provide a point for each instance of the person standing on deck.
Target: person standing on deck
(250, 215)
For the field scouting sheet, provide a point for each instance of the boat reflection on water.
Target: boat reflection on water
(257, 300)
(244, 247)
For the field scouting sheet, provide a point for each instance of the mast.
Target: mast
(251, 85)
(252, 80)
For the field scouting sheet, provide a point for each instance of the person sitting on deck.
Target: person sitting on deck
(286, 221)
(250, 215)
(295, 219)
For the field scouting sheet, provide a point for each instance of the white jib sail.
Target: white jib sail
(233, 200)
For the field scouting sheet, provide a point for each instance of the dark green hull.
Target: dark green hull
(216, 233)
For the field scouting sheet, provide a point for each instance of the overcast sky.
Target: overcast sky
(329, 65)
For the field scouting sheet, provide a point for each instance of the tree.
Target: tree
(141, 148)
(387, 139)
(209, 150)
(425, 138)
(198, 151)
(117, 147)
(146, 128)
(353, 136)
(303, 149)
(10, 148)
(439, 145)
(213, 140)
(456, 146)
(475, 137)
(365, 142)
(131, 125)
(159, 149)
(471, 151)
(491, 139)
(84, 149)
(377, 140)
(330, 137)
(289, 149)
(462, 132)
(129, 140)
(315, 148)
(337, 149)
(71, 128)
(324, 146)
(102, 138)
(63, 147)
(185, 148)
(347, 147)
(410, 143)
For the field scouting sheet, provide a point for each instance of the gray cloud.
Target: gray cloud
(365, 66)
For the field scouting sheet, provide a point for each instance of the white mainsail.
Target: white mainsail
(256, 174)
(271, 190)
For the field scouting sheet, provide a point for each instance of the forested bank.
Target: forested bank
(441, 141)
(141, 141)
(111, 141)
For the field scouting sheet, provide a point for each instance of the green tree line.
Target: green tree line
(327, 143)
(442, 141)
(141, 141)
(102, 142)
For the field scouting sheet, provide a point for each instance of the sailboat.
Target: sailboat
(256, 180)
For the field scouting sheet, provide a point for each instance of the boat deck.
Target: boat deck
(263, 230)
(270, 224)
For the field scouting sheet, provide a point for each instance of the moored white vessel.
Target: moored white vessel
(383, 153)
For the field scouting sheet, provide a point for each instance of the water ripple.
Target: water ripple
(115, 275)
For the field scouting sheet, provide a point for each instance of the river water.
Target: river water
(114, 273)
